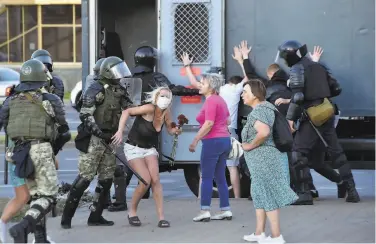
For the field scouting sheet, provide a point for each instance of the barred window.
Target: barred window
(191, 31)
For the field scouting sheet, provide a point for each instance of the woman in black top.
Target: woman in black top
(140, 148)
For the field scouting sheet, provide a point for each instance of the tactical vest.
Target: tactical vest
(107, 115)
(29, 120)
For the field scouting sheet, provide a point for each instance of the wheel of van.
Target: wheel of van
(192, 177)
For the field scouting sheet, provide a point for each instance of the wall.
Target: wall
(344, 28)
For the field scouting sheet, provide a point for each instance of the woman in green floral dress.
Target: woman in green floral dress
(268, 166)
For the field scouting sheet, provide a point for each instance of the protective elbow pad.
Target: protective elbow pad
(298, 98)
(335, 90)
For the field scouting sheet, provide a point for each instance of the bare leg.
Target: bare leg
(273, 217)
(12, 208)
(260, 221)
(235, 180)
(140, 167)
(156, 186)
(16, 204)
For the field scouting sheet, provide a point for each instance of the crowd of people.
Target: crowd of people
(34, 119)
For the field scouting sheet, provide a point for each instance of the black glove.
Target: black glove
(106, 137)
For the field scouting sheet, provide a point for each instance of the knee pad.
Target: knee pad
(119, 171)
(79, 186)
(299, 160)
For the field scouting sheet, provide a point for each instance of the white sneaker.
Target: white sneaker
(254, 238)
(48, 239)
(3, 232)
(203, 216)
(223, 215)
(269, 239)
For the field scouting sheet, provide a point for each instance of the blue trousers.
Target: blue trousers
(214, 154)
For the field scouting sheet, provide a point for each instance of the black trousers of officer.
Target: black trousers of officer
(306, 140)
(316, 161)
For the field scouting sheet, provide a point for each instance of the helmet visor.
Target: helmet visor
(120, 70)
(44, 59)
(49, 76)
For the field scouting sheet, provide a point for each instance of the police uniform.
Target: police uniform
(102, 104)
(29, 117)
(312, 86)
(145, 59)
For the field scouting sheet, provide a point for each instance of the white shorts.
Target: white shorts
(132, 152)
(233, 163)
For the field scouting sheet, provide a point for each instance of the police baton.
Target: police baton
(125, 163)
(315, 129)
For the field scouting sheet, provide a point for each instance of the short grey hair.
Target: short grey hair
(215, 81)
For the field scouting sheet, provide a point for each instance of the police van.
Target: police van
(209, 29)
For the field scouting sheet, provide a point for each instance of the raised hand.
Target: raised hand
(185, 58)
(317, 52)
(237, 55)
(244, 49)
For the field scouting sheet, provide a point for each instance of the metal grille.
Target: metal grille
(191, 31)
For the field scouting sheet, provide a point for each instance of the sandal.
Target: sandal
(163, 224)
(135, 221)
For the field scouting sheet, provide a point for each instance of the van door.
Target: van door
(195, 27)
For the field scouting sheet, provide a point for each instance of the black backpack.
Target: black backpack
(282, 134)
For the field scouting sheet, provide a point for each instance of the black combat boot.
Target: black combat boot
(78, 188)
(20, 231)
(341, 189)
(352, 193)
(96, 218)
(120, 204)
(348, 180)
(40, 233)
(314, 192)
(303, 190)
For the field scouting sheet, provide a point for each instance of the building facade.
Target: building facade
(54, 25)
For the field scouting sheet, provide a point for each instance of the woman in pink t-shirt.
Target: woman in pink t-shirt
(216, 145)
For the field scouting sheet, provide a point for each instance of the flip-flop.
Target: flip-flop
(135, 221)
(163, 224)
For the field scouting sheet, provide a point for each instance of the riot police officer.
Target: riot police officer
(57, 85)
(145, 59)
(102, 104)
(312, 86)
(29, 117)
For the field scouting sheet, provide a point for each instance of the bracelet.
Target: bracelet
(187, 65)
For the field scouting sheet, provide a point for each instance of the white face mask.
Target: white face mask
(163, 102)
(288, 83)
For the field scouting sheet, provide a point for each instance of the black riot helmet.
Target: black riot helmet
(114, 68)
(44, 56)
(292, 52)
(146, 56)
(97, 66)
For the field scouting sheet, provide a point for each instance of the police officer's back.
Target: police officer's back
(29, 117)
